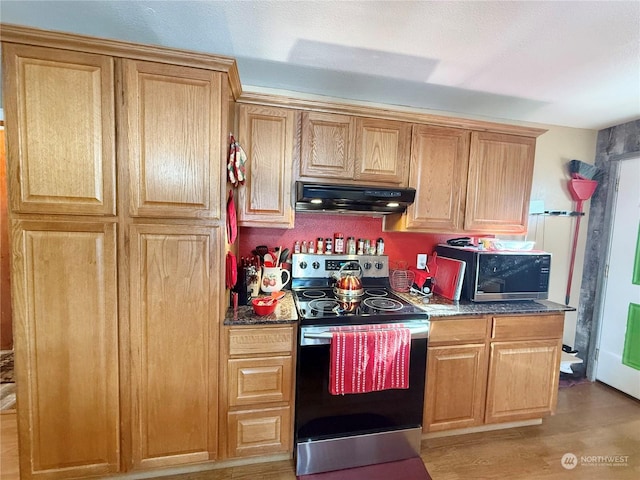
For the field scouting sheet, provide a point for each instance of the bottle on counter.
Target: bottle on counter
(312, 246)
(296, 247)
(320, 246)
(380, 247)
(303, 248)
(328, 246)
(360, 246)
(367, 247)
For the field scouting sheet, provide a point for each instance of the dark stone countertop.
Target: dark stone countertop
(438, 306)
(285, 313)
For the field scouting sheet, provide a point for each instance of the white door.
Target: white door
(620, 291)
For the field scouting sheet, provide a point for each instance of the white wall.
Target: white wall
(554, 149)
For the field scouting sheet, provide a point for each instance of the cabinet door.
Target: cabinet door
(172, 118)
(266, 134)
(59, 106)
(328, 146)
(382, 151)
(455, 388)
(173, 337)
(66, 334)
(499, 183)
(523, 380)
(439, 163)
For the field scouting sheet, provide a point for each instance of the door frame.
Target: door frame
(601, 281)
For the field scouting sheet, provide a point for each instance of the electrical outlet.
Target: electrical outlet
(421, 263)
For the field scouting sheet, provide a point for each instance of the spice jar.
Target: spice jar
(328, 246)
(338, 243)
(320, 245)
(351, 246)
(312, 246)
(360, 246)
(380, 247)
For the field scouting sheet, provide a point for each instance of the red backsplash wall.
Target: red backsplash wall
(310, 226)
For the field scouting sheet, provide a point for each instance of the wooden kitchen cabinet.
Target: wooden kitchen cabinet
(382, 151)
(439, 163)
(328, 146)
(456, 374)
(117, 294)
(267, 136)
(173, 122)
(488, 370)
(64, 280)
(499, 183)
(524, 367)
(174, 343)
(258, 390)
(356, 150)
(467, 181)
(60, 109)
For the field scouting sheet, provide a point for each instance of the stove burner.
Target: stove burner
(314, 294)
(381, 303)
(376, 292)
(324, 305)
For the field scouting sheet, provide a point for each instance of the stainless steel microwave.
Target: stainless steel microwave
(501, 275)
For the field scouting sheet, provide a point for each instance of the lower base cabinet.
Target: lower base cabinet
(489, 370)
(456, 380)
(258, 402)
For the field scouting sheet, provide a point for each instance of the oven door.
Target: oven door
(322, 419)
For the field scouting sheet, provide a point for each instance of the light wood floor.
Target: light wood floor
(591, 420)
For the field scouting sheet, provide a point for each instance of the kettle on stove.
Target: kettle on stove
(348, 281)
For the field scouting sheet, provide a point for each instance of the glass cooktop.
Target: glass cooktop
(377, 304)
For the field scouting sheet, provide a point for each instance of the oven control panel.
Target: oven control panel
(307, 265)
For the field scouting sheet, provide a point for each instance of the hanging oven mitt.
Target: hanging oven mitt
(231, 162)
(240, 160)
(232, 224)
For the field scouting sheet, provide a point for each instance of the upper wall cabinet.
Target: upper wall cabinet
(267, 135)
(439, 163)
(328, 145)
(382, 151)
(61, 148)
(468, 182)
(173, 127)
(349, 149)
(499, 182)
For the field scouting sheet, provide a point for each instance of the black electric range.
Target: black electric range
(317, 303)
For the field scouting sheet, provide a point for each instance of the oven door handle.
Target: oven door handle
(325, 336)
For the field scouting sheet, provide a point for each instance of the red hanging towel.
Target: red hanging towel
(369, 359)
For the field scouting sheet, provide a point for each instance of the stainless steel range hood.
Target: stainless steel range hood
(316, 197)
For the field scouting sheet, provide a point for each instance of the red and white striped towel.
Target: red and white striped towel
(369, 359)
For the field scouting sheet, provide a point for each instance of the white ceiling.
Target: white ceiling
(555, 62)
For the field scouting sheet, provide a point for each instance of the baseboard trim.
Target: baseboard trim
(482, 428)
(202, 467)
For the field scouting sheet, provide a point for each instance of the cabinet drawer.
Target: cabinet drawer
(248, 341)
(259, 432)
(527, 326)
(461, 330)
(259, 380)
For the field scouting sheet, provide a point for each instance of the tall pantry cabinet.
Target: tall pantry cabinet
(116, 181)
